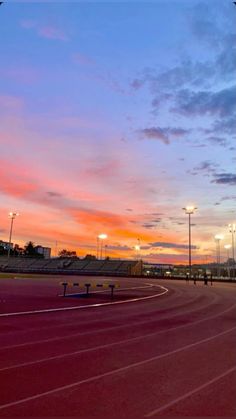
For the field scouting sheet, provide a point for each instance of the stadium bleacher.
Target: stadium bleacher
(71, 266)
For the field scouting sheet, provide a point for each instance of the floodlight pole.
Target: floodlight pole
(218, 238)
(97, 247)
(189, 247)
(189, 210)
(12, 216)
(232, 230)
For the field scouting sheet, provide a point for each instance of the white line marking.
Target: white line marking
(95, 348)
(109, 373)
(112, 328)
(190, 393)
(60, 326)
(51, 310)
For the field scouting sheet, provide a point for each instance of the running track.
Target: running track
(173, 355)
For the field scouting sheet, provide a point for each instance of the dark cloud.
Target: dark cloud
(156, 220)
(206, 167)
(137, 83)
(157, 213)
(222, 103)
(54, 194)
(227, 126)
(167, 245)
(225, 62)
(188, 74)
(218, 141)
(225, 179)
(119, 247)
(204, 24)
(228, 198)
(148, 225)
(163, 134)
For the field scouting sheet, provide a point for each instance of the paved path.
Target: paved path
(168, 356)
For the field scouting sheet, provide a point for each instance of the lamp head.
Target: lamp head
(232, 228)
(189, 209)
(102, 236)
(13, 214)
(219, 236)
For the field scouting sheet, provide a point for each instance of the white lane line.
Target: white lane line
(62, 325)
(190, 393)
(86, 350)
(51, 310)
(107, 329)
(109, 373)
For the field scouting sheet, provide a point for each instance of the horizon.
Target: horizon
(115, 116)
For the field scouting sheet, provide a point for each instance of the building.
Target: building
(5, 245)
(44, 251)
(157, 269)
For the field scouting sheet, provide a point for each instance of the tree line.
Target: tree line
(29, 250)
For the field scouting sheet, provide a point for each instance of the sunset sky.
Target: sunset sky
(114, 116)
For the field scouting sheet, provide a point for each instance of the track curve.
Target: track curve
(170, 356)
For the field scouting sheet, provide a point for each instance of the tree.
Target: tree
(90, 257)
(29, 250)
(64, 253)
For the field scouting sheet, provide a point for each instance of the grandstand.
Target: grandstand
(71, 266)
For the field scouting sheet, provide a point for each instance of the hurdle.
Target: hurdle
(88, 286)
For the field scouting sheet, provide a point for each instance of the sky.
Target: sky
(113, 117)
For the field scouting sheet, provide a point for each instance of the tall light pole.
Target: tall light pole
(227, 247)
(218, 238)
(100, 237)
(189, 210)
(12, 216)
(137, 248)
(105, 251)
(232, 230)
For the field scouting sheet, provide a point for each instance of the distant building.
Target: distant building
(5, 245)
(45, 251)
(157, 269)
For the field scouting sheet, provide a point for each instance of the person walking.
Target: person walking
(205, 279)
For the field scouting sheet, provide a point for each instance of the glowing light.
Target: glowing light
(13, 214)
(219, 236)
(232, 228)
(189, 209)
(102, 236)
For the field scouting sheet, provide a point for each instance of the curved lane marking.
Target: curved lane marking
(124, 341)
(56, 326)
(111, 328)
(190, 393)
(112, 372)
(51, 310)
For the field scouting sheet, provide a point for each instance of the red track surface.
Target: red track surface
(173, 355)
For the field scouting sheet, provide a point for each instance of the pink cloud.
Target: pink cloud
(82, 59)
(45, 31)
(28, 24)
(13, 103)
(52, 32)
(22, 74)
